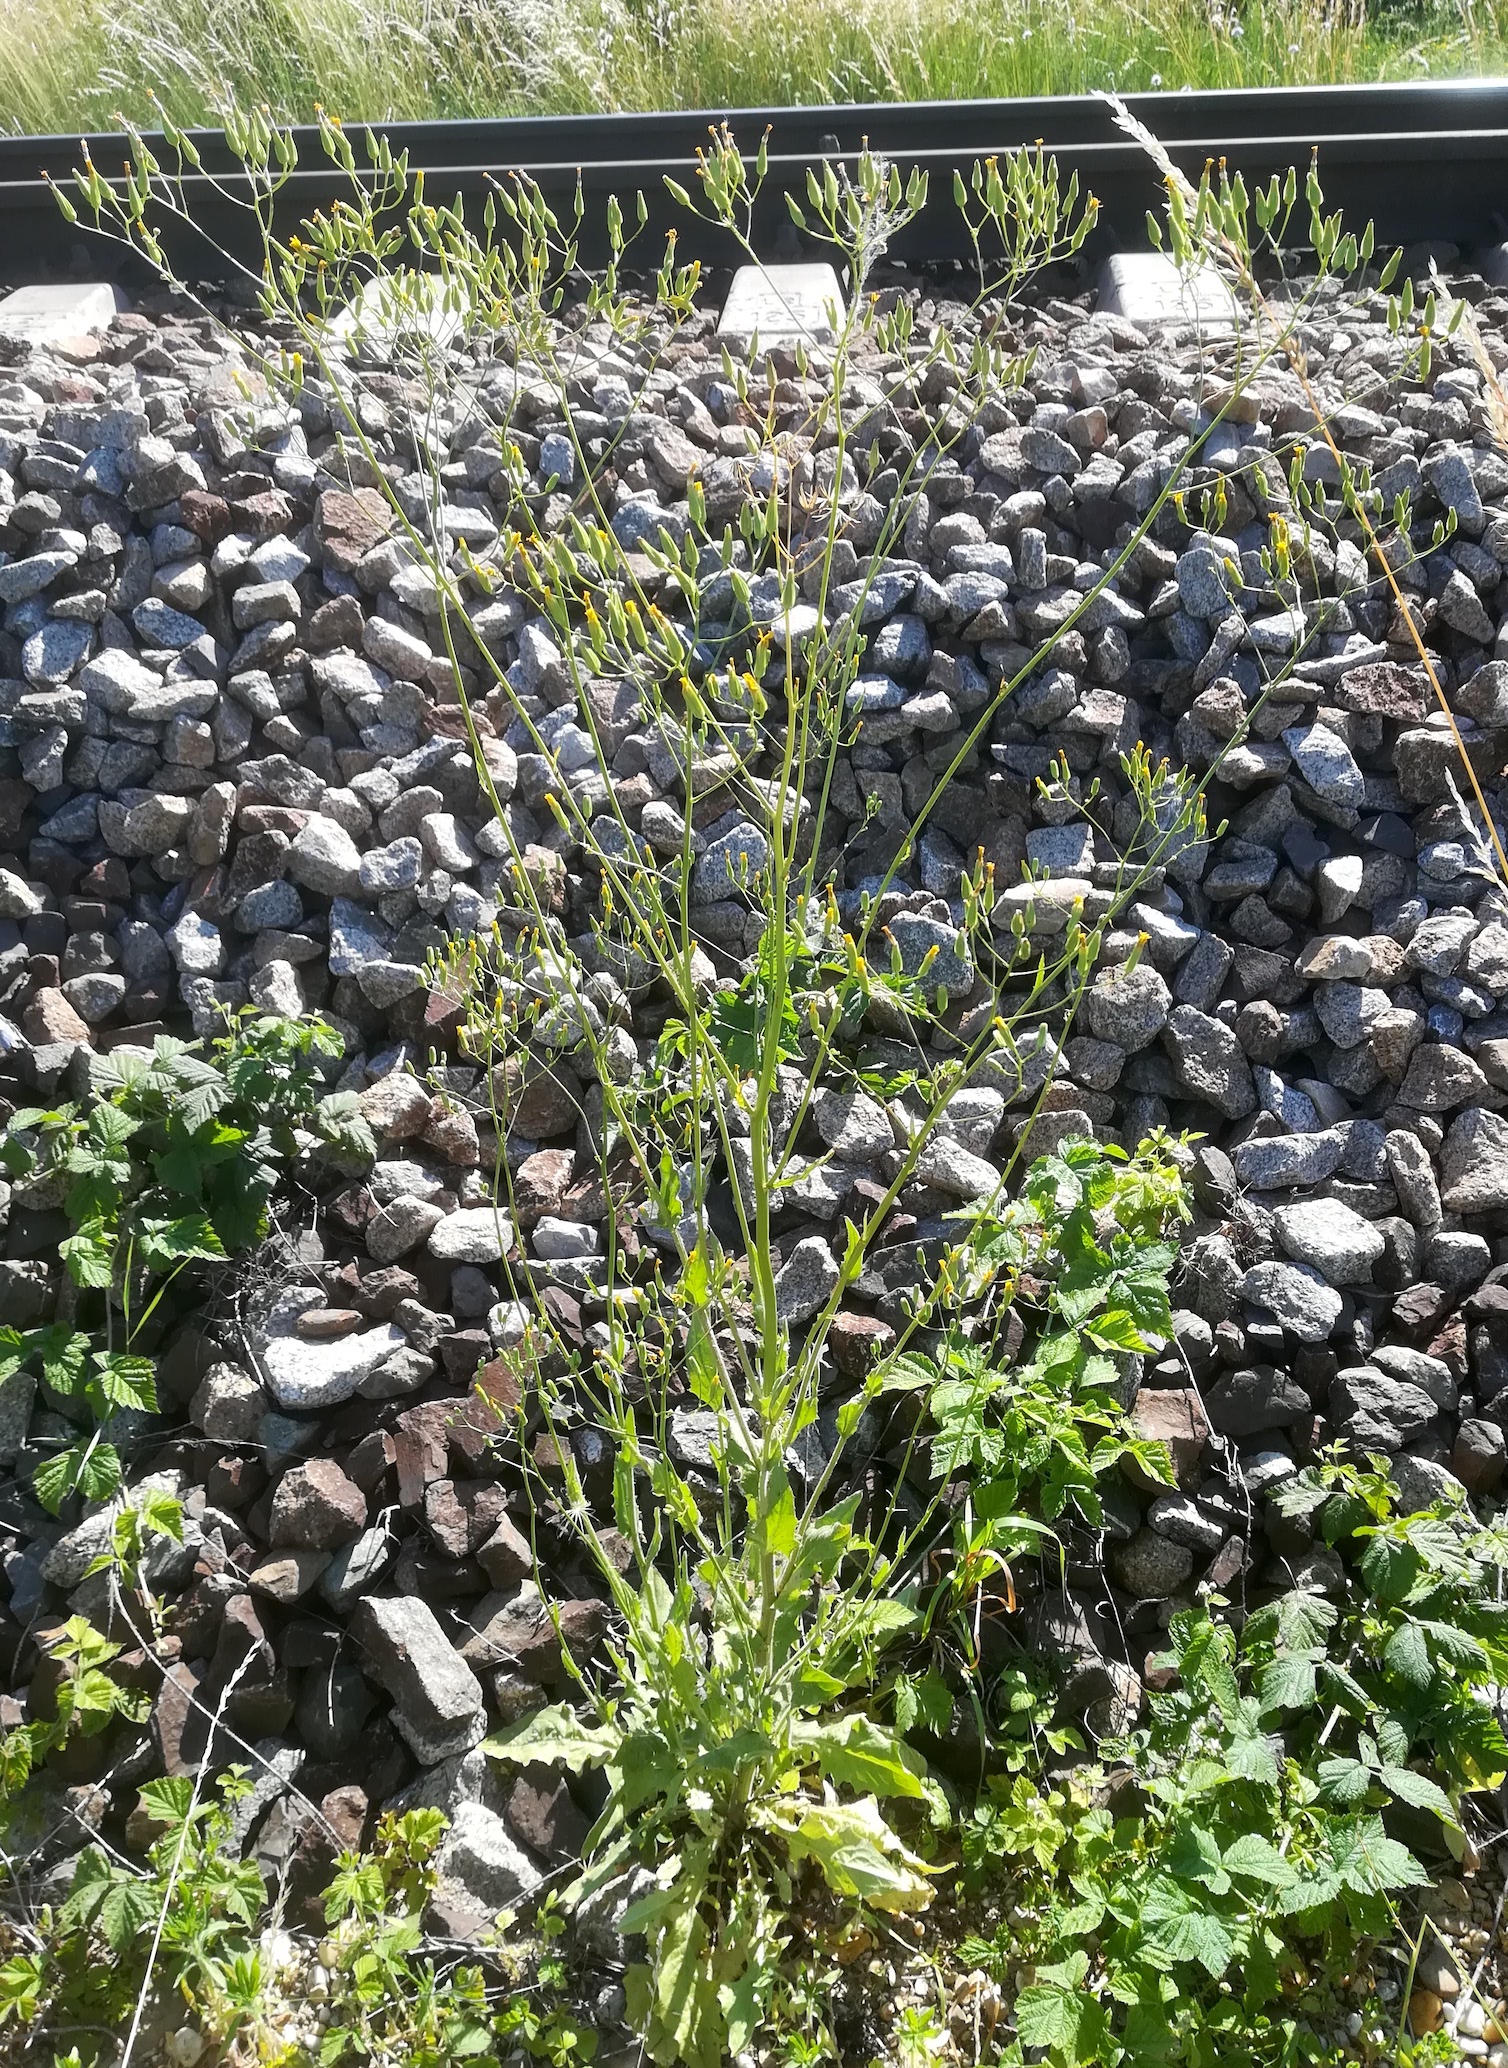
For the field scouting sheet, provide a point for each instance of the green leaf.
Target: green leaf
(1419, 1790)
(703, 1366)
(125, 1381)
(55, 1480)
(128, 1908)
(1184, 1930)
(63, 1351)
(1248, 1755)
(858, 1853)
(1370, 1862)
(1288, 1683)
(858, 1753)
(1195, 1856)
(1343, 1781)
(1473, 1743)
(1406, 1656)
(89, 1255)
(1061, 2020)
(1258, 1859)
(164, 1243)
(555, 1736)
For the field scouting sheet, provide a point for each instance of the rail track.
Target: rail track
(1425, 162)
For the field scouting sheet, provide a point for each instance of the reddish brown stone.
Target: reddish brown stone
(506, 1557)
(1384, 689)
(858, 1342)
(540, 1182)
(206, 515)
(350, 522)
(461, 1516)
(50, 1017)
(180, 1724)
(317, 1508)
(541, 1815)
(420, 1449)
(1171, 1415)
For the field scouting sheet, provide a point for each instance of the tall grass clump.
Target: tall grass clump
(67, 67)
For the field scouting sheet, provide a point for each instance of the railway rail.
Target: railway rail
(1427, 162)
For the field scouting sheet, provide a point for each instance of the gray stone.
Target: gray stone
(473, 1235)
(854, 1126)
(480, 1857)
(727, 862)
(302, 1376)
(1326, 763)
(1376, 1409)
(1275, 1162)
(437, 1700)
(1298, 1296)
(1182, 1521)
(1474, 1163)
(805, 1281)
(324, 858)
(400, 1227)
(1207, 1062)
(1254, 1398)
(1128, 1007)
(1331, 1238)
(1150, 1566)
(917, 936)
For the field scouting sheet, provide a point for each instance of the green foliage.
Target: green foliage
(1186, 1891)
(1080, 1258)
(86, 1701)
(188, 1928)
(194, 1904)
(1396, 1671)
(171, 1160)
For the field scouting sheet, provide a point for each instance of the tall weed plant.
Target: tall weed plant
(780, 1615)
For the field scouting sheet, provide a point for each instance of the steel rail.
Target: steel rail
(1425, 162)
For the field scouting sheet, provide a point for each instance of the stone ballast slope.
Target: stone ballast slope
(233, 769)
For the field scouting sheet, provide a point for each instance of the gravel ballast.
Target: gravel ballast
(233, 770)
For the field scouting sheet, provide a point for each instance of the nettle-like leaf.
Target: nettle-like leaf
(1418, 1790)
(125, 1381)
(1251, 1857)
(89, 1254)
(1064, 2021)
(1289, 1683)
(1372, 1863)
(1179, 1926)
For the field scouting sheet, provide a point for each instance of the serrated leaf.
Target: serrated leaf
(99, 1473)
(1258, 1859)
(1418, 1790)
(126, 1381)
(1054, 2018)
(1181, 1928)
(1343, 1782)
(126, 1909)
(1288, 1683)
(1194, 1855)
(554, 1736)
(1406, 1656)
(1372, 1863)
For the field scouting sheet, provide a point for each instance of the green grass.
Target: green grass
(67, 65)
